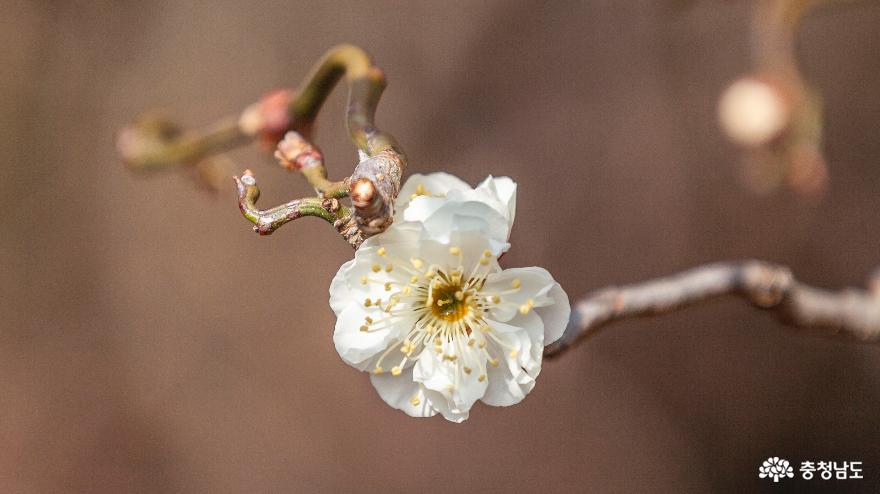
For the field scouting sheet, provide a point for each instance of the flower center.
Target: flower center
(451, 301)
(448, 307)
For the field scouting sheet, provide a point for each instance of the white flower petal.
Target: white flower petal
(449, 217)
(556, 315)
(507, 387)
(504, 189)
(442, 405)
(435, 184)
(446, 376)
(402, 393)
(356, 347)
(340, 295)
(525, 333)
(443, 204)
(535, 284)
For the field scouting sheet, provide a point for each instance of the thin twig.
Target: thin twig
(268, 220)
(848, 313)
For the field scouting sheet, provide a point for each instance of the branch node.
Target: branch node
(766, 284)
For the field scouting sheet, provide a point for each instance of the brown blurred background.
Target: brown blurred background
(150, 342)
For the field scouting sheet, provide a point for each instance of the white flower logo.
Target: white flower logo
(775, 468)
(425, 307)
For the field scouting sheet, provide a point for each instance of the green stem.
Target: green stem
(267, 221)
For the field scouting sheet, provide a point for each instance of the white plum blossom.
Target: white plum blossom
(426, 309)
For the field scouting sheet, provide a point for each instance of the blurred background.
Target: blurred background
(151, 342)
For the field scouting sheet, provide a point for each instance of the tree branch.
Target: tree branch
(156, 144)
(848, 313)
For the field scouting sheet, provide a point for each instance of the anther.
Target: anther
(365, 328)
(467, 370)
(455, 251)
(388, 268)
(459, 295)
(482, 377)
(388, 286)
(381, 251)
(516, 283)
(395, 371)
(377, 268)
(364, 280)
(415, 401)
(378, 370)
